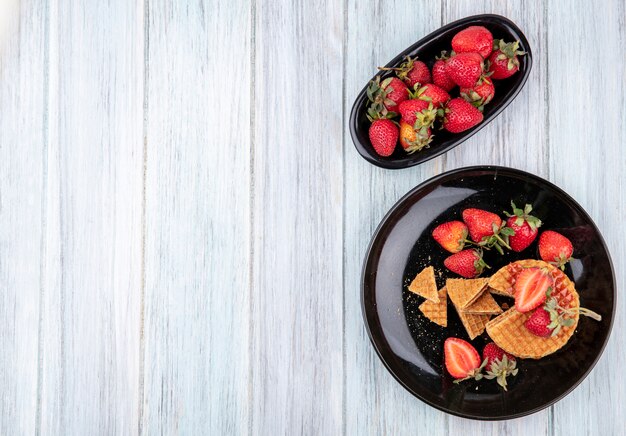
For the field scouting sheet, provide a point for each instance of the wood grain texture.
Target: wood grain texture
(587, 160)
(374, 402)
(93, 188)
(297, 377)
(197, 219)
(22, 157)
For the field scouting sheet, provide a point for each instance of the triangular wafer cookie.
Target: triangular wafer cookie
(474, 324)
(485, 305)
(424, 285)
(437, 312)
(464, 292)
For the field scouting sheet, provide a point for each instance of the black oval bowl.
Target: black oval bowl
(426, 49)
(411, 347)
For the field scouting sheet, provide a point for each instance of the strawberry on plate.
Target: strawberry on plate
(465, 68)
(555, 248)
(411, 109)
(414, 139)
(538, 323)
(481, 93)
(487, 229)
(524, 225)
(383, 135)
(385, 96)
(499, 364)
(477, 39)
(431, 93)
(411, 71)
(439, 75)
(460, 115)
(531, 288)
(504, 61)
(451, 235)
(467, 263)
(462, 360)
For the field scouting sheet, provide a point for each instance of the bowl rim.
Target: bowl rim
(413, 160)
(464, 172)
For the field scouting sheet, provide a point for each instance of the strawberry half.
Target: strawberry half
(499, 364)
(530, 288)
(467, 263)
(555, 248)
(524, 225)
(461, 359)
(451, 235)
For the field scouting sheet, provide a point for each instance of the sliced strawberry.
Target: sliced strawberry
(530, 288)
(461, 359)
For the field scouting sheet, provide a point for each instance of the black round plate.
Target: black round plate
(426, 49)
(411, 347)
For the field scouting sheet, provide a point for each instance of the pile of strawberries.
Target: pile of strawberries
(421, 97)
(487, 230)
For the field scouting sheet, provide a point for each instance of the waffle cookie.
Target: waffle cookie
(474, 324)
(508, 331)
(437, 312)
(464, 292)
(424, 285)
(501, 283)
(485, 305)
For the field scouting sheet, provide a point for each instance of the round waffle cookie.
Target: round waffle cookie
(508, 331)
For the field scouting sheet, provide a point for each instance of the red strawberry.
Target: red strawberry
(384, 136)
(481, 93)
(486, 228)
(460, 115)
(499, 364)
(413, 139)
(465, 68)
(503, 62)
(451, 235)
(411, 71)
(467, 263)
(555, 248)
(410, 108)
(440, 77)
(538, 323)
(475, 39)
(432, 93)
(524, 225)
(530, 288)
(386, 95)
(461, 359)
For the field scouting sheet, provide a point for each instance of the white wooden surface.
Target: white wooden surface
(183, 216)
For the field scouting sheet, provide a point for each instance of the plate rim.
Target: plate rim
(424, 185)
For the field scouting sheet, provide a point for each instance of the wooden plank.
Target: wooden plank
(92, 271)
(516, 138)
(374, 402)
(197, 219)
(297, 298)
(22, 175)
(587, 160)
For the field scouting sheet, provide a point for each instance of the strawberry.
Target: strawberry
(481, 93)
(386, 95)
(412, 139)
(410, 108)
(451, 235)
(467, 263)
(530, 288)
(475, 39)
(538, 323)
(555, 248)
(486, 228)
(461, 359)
(460, 115)
(504, 61)
(499, 364)
(383, 135)
(440, 77)
(524, 225)
(411, 71)
(465, 68)
(431, 93)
